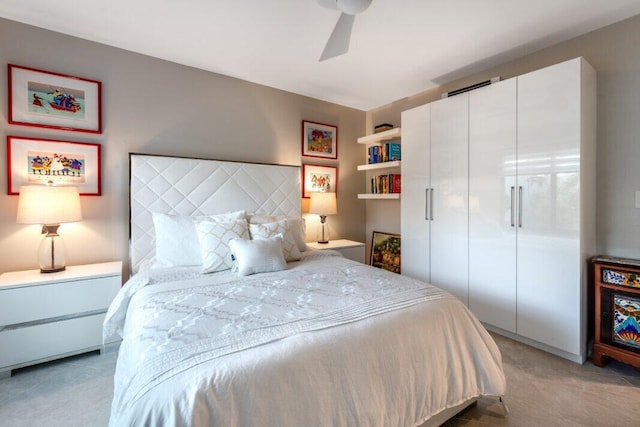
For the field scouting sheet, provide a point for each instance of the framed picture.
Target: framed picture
(385, 251)
(319, 140)
(319, 179)
(37, 161)
(52, 100)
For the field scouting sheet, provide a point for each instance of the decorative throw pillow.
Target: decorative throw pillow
(258, 256)
(297, 226)
(177, 242)
(214, 239)
(283, 227)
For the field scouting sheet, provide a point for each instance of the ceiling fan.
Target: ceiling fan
(338, 43)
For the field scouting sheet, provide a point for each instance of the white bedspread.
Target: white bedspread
(329, 342)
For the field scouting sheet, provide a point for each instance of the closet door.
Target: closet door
(492, 204)
(549, 155)
(415, 192)
(449, 192)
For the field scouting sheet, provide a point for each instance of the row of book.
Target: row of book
(385, 184)
(384, 153)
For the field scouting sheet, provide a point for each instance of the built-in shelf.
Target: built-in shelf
(382, 165)
(380, 136)
(374, 139)
(390, 196)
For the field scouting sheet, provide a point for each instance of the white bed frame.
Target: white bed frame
(189, 186)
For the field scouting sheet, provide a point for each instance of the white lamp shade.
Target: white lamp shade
(323, 204)
(44, 204)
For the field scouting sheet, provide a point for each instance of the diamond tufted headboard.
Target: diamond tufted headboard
(188, 186)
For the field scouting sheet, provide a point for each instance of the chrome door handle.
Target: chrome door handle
(426, 204)
(520, 206)
(431, 204)
(513, 199)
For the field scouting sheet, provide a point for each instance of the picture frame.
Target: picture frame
(386, 251)
(53, 100)
(319, 140)
(319, 179)
(32, 161)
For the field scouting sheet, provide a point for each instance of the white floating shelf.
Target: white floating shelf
(389, 196)
(381, 136)
(382, 165)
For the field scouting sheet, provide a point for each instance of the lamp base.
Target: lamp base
(323, 241)
(52, 270)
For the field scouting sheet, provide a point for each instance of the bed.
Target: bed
(316, 340)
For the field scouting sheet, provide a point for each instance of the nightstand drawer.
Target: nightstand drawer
(44, 301)
(36, 343)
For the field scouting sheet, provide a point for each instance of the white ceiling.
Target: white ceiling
(398, 47)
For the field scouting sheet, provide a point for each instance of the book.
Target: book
(393, 151)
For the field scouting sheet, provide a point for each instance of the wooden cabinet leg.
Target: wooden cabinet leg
(597, 359)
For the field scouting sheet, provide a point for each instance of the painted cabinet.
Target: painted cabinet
(416, 186)
(449, 195)
(511, 171)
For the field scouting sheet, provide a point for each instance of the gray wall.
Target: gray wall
(155, 106)
(614, 52)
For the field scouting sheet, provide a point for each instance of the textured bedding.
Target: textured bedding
(326, 342)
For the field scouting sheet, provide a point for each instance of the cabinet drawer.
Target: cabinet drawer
(32, 303)
(354, 254)
(23, 345)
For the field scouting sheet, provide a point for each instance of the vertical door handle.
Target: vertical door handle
(513, 200)
(431, 204)
(426, 204)
(520, 206)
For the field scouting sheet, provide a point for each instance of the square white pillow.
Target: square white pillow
(214, 239)
(258, 256)
(284, 227)
(297, 226)
(177, 242)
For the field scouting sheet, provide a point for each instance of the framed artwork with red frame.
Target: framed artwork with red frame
(32, 161)
(53, 100)
(319, 179)
(319, 140)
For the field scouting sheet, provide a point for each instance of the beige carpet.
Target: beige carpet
(543, 390)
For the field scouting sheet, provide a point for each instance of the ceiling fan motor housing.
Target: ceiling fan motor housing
(350, 7)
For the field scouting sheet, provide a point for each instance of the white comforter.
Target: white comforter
(328, 342)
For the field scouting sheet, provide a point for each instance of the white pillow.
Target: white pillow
(214, 239)
(284, 227)
(177, 242)
(258, 256)
(299, 230)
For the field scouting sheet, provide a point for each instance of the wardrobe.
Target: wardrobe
(498, 203)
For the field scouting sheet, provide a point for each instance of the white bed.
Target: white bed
(327, 341)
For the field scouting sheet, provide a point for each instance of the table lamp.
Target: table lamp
(323, 204)
(49, 205)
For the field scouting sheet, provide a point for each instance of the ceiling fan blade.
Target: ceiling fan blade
(338, 43)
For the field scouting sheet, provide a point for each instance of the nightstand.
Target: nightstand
(348, 248)
(49, 316)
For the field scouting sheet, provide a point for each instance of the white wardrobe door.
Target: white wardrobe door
(492, 210)
(415, 183)
(549, 289)
(450, 191)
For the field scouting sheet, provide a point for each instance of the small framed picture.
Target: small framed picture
(37, 161)
(385, 251)
(52, 100)
(319, 179)
(319, 140)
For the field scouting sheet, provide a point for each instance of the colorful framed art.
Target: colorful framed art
(319, 140)
(32, 161)
(52, 100)
(319, 179)
(385, 251)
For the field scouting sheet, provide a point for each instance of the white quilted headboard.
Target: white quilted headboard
(187, 186)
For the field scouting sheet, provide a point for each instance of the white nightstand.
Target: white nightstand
(49, 316)
(348, 248)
